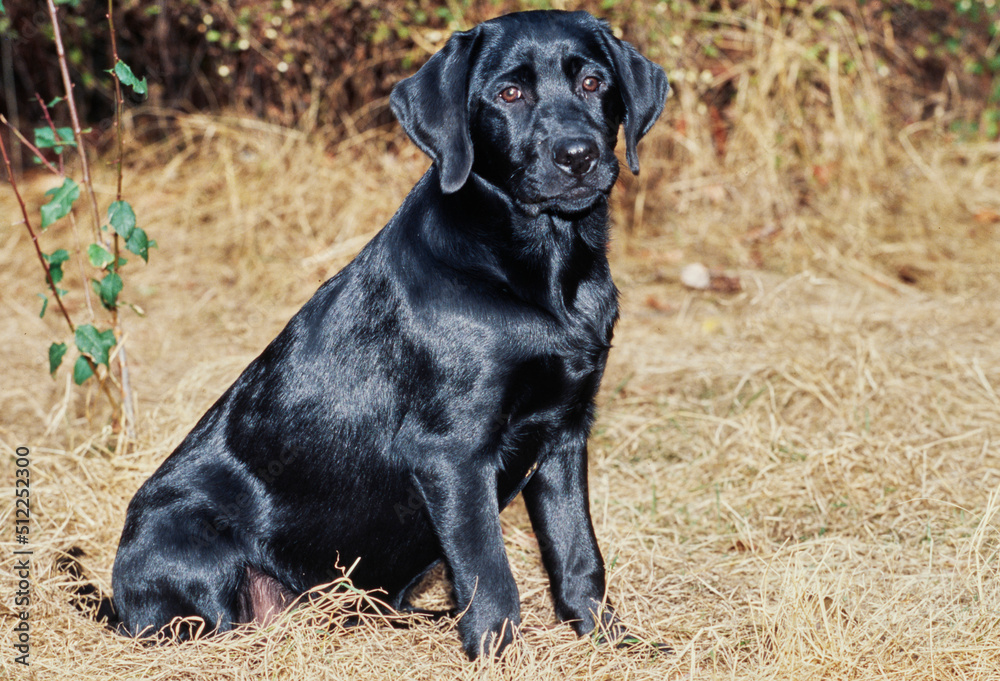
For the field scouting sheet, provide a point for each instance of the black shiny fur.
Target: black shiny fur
(410, 400)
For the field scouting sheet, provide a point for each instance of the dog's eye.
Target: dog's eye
(590, 84)
(510, 94)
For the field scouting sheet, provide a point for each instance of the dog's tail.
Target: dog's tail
(86, 597)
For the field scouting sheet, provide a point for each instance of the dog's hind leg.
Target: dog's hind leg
(168, 567)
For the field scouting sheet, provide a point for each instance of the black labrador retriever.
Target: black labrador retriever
(450, 366)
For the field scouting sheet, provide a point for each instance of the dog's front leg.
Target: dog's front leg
(559, 507)
(464, 511)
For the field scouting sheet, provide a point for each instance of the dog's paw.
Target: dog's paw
(598, 620)
(491, 640)
(606, 627)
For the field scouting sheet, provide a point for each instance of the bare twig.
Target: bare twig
(34, 237)
(24, 140)
(74, 118)
(127, 402)
(55, 132)
(83, 272)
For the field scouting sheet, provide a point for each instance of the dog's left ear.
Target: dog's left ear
(432, 107)
(643, 86)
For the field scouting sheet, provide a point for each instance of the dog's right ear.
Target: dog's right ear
(432, 106)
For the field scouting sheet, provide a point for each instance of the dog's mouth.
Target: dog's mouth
(577, 194)
(578, 199)
(556, 187)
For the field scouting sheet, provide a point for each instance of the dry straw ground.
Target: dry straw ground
(800, 480)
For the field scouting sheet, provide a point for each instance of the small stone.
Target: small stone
(696, 276)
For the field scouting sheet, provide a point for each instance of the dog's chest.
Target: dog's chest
(565, 355)
(549, 394)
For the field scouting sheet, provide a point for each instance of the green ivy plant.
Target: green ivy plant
(118, 230)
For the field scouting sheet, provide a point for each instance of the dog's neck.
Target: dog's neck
(539, 256)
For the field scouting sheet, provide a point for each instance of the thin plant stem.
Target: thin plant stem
(74, 118)
(55, 132)
(34, 237)
(126, 386)
(83, 272)
(24, 140)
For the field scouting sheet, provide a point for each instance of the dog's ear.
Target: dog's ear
(432, 106)
(643, 87)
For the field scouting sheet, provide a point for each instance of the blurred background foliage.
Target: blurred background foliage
(328, 66)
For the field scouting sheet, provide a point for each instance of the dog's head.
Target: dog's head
(532, 102)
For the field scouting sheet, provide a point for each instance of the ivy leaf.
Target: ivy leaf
(55, 262)
(47, 138)
(45, 305)
(57, 257)
(56, 353)
(108, 289)
(81, 370)
(125, 75)
(95, 344)
(122, 218)
(139, 243)
(61, 202)
(99, 256)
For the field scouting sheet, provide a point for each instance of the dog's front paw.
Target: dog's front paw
(487, 639)
(601, 622)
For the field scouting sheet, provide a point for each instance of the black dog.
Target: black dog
(450, 366)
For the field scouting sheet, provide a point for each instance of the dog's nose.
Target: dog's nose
(577, 156)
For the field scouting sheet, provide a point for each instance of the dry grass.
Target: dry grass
(801, 480)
